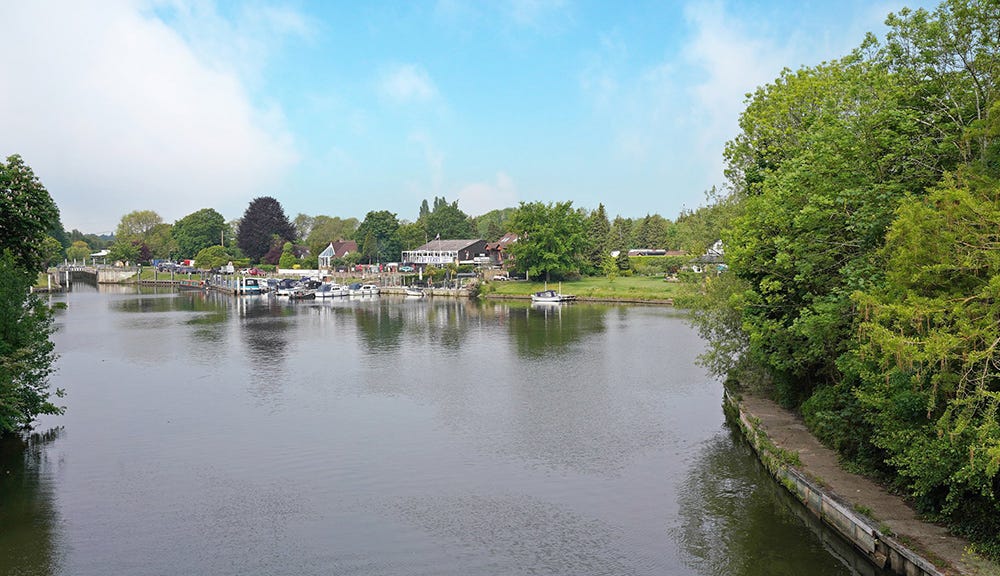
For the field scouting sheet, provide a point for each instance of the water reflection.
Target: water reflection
(540, 329)
(735, 520)
(254, 435)
(26, 502)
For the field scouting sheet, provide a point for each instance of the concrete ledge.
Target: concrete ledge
(881, 549)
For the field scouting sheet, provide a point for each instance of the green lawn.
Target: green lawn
(645, 288)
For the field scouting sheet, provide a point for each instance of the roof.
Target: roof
(447, 245)
(508, 238)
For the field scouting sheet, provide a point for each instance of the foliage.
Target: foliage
(79, 250)
(448, 221)
(198, 231)
(863, 279)
(412, 235)
(137, 225)
(551, 240)
(493, 225)
(303, 224)
(262, 222)
(598, 234)
(653, 231)
(213, 257)
(652, 265)
(378, 237)
(95, 242)
(26, 353)
(125, 251)
(930, 348)
(50, 251)
(27, 213)
(622, 261)
(287, 259)
(141, 235)
(326, 229)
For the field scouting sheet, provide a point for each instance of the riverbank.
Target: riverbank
(882, 524)
(625, 290)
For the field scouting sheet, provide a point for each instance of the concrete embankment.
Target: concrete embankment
(898, 541)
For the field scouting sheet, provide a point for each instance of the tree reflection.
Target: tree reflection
(264, 330)
(27, 515)
(538, 329)
(736, 520)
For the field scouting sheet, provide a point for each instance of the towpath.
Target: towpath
(935, 543)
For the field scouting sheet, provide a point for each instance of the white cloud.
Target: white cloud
(406, 83)
(479, 198)
(115, 112)
(434, 159)
(731, 62)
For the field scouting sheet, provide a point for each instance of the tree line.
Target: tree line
(264, 235)
(862, 234)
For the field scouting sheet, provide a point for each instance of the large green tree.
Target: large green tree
(326, 229)
(929, 355)
(27, 213)
(551, 239)
(448, 221)
(598, 237)
(378, 237)
(859, 295)
(198, 231)
(140, 236)
(263, 222)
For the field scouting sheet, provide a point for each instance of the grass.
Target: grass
(631, 288)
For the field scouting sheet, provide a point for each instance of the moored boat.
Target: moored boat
(551, 297)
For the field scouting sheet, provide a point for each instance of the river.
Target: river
(207, 434)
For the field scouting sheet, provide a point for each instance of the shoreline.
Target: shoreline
(881, 525)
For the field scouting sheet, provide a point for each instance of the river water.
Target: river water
(207, 434)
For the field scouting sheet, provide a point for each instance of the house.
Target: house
(443, 252)
(334, 251)
(712, 260)
(499, 251)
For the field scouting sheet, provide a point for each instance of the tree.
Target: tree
(303, 224)
(79, 250)
(326, 229)
(493, 225)
(213, 257)
(198, 231)
(447, 221)
(412, 235)
(929, 354)
(378, 237)
(287, 259)
(160, 242)
(27, 212)
(50, 251)
(137, 225)
(263, 220)
(598, 233)
(128, 251)
(620, 234)
(138, 233)
(551, 239)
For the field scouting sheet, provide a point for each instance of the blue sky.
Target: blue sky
(344, 107)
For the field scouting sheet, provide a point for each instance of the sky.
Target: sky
(344, 107)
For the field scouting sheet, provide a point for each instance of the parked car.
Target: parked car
(501, 278)
(406, 268)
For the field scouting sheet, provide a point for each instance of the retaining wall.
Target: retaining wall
(880, 548)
